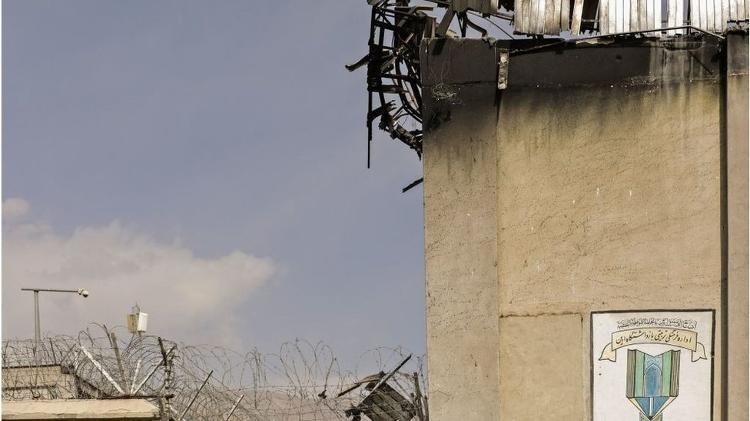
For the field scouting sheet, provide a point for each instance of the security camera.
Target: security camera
(84, 293)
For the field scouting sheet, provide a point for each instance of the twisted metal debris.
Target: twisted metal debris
(394, 83)
(396, 31)
(302, 382)
(397, 28)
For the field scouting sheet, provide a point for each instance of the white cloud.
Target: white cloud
(187, 297)
(14, 208)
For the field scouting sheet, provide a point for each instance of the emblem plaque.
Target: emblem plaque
(652, 365)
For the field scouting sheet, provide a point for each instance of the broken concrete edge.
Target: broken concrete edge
(80, 409)
(625, 61)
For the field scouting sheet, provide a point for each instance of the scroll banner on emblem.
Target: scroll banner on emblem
(682, 338)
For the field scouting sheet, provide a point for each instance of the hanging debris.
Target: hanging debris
(396, 31)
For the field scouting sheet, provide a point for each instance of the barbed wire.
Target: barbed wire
(301, 382)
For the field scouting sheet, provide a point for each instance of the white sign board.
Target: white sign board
(652, 365)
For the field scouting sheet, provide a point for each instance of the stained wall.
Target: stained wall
(597, 180)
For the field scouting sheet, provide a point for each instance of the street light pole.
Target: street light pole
(37, 328)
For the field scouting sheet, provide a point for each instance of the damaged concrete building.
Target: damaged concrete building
(585, 203)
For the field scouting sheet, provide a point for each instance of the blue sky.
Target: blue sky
(163, 145)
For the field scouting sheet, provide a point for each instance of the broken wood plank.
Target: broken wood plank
(540, 15)
(565, 15)
(552, 17)
(527, 6)
(604, 17)
(533, 17)
(518, 16)
(575, 25)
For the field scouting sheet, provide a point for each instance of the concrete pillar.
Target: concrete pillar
(460, 196)
(737, 220)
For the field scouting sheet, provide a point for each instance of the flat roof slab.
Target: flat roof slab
(80, 409)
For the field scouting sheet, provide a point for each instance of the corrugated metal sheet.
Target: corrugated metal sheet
(644, 15)
(680, 18)
(739, 9)
(698, 13)
(658, 21)
(551, 17)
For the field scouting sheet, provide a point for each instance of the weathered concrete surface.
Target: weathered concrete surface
(45, 382)
(620, 193)
(461, 235)
(621, 200)
(737, 219)
(605, 194)
(534, 341)
(71, 409)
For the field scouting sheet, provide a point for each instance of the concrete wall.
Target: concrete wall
(71, 409)
(43, 382)
(609, 200)
(596, 181)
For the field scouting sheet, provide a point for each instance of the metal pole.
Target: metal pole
(234, 408)
(195, 396)
(37, 329)
(418, 398)
(76, 291)
(116, 348)
(388, 376)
